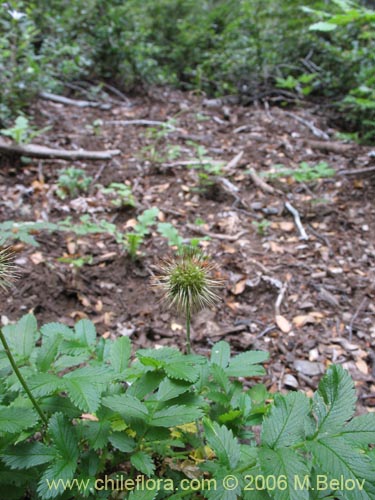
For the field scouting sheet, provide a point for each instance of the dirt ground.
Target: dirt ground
(308, 301)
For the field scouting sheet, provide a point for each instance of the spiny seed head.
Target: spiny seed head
(7, 268)
(187, 281)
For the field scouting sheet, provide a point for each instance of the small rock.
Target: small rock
(308, 367)
(290, 381)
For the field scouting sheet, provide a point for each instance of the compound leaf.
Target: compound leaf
(285, 424)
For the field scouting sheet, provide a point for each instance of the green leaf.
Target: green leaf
(245, 364)
(285, 424)
(145, 384)
(220, 354)
(169, 389)
(175, 415)
(48, 351)
(122, 442)
(127, 406)
(143, 494)
(284, 463)
(56, 330)
(44, 384)
(334, 402)
(83, 393)
(221, 377)
(146, 219)
(64, 437)
(323, 26)
(58, 404)
(96, 433)
(85, 331)
(161, 356)
(14, 420)
(120, 354)
(26, 455)
(360, 430)
(143, 463)
(224, 444)
(169, 232)
(22, 336)
(181, 370)
(339, 460)
(54, 480)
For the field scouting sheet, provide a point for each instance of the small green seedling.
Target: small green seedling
(76, 262)
(305, 172)
(22, 132)
(120, 194)
(71, 182)
(169, 232)
(261, 226)
(134, 239)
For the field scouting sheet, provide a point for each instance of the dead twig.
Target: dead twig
(234, 162)
(297, 221)
(334, 147)
(315, 130)
(357, 171)
(79, 103)
(145, 123)
(218, 236)
(355, 316)
(36, 151)
(258, 181)
(280, 298)
(268, 328)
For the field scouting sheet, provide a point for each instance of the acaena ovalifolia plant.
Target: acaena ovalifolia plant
(112, 417)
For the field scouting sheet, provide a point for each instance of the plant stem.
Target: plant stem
(20, 378)
(188, 320)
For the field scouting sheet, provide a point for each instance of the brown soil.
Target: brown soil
(327, 313)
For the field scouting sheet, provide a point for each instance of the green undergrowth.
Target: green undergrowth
(130, 242)
(282, 50)
(161, 416)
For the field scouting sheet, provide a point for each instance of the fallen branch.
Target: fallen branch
(73, 102)
(357, 171)
(218, 236)
(315, 130)
(334, 147)
(234, 161)
(146, 123)
(280, 298)
(36, 151)
(297, 221)
(258, 181)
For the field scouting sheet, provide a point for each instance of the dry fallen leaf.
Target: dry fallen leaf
(37, 258)
(283, 324)
(302, 320)
(239, 287)
(286, 226)
(362, 366)
(89, 416)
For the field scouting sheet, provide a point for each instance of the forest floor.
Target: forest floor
(308, 301)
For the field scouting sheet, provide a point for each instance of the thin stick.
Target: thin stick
(297, 221)
(217, 236)
(280, 298)
(355, 316)
(258, 181)
(36, 151)
(148, 123)
(20, 377)
(315, 130)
